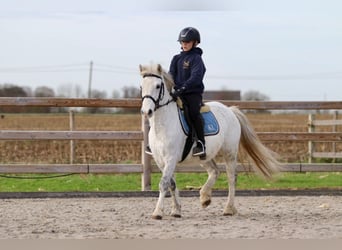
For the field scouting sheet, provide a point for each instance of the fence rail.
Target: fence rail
(135, 103)
(139, 135)
(70, 135)
(146, 167)
(139, 168)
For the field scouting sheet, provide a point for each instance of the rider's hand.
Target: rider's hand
(177, 92)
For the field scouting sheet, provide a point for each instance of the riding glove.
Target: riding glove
(177, 92)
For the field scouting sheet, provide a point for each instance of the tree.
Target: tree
(100, 95)
(254, 95)
(10, 90)
(115, 94)
(130, 92)
(43, 92)
(70, 90)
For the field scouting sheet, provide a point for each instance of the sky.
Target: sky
(288, 50)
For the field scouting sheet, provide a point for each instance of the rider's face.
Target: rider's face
(186, 46)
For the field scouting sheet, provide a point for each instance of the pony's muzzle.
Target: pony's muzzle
(147, 113)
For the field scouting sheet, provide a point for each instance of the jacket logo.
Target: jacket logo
(186, 64)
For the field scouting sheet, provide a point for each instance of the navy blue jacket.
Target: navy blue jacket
(187, 69)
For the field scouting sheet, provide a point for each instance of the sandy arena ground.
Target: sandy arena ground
(265, 217)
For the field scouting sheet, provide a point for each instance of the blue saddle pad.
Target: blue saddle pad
(211, 126)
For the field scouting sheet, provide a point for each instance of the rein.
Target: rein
(160, 95)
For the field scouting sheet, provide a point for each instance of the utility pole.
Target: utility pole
(90, 78)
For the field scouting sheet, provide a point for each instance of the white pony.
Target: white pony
(167, 140)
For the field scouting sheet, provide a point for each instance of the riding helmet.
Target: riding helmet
(189, 34)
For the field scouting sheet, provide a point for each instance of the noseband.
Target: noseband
(157, 104)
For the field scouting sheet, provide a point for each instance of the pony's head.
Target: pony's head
(156, 86)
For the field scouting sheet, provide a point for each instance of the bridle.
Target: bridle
(157, 104)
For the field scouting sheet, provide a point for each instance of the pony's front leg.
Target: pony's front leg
(176, 207)
(164, 185)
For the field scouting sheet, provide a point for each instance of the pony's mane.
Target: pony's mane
(157, 69)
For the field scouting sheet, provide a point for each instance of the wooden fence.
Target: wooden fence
(312, 125)
(146, 168)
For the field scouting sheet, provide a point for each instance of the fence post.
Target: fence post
(72, 143)
(311, 146)
(334, 129)
(145, 158)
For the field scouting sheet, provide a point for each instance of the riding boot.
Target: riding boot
(199, 150)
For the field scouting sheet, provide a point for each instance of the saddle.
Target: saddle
(210, 125)
(204, 108)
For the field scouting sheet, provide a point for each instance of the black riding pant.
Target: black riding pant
(194, 102)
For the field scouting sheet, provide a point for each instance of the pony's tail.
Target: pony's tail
(263, 159)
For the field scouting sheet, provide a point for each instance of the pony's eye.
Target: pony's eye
(158, 86)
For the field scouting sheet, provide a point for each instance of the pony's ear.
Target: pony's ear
(140, 67)
(160, 69)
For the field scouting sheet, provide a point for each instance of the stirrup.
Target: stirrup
(199, 150)
(148, 150)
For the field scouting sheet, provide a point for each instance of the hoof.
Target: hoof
(157, 217)
(230, 212)
(206, 203)
(176, 215)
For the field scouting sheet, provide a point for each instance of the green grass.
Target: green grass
(132, 182)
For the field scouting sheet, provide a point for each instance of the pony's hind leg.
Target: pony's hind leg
(231, 174)
(176, 207)
(205, 192)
